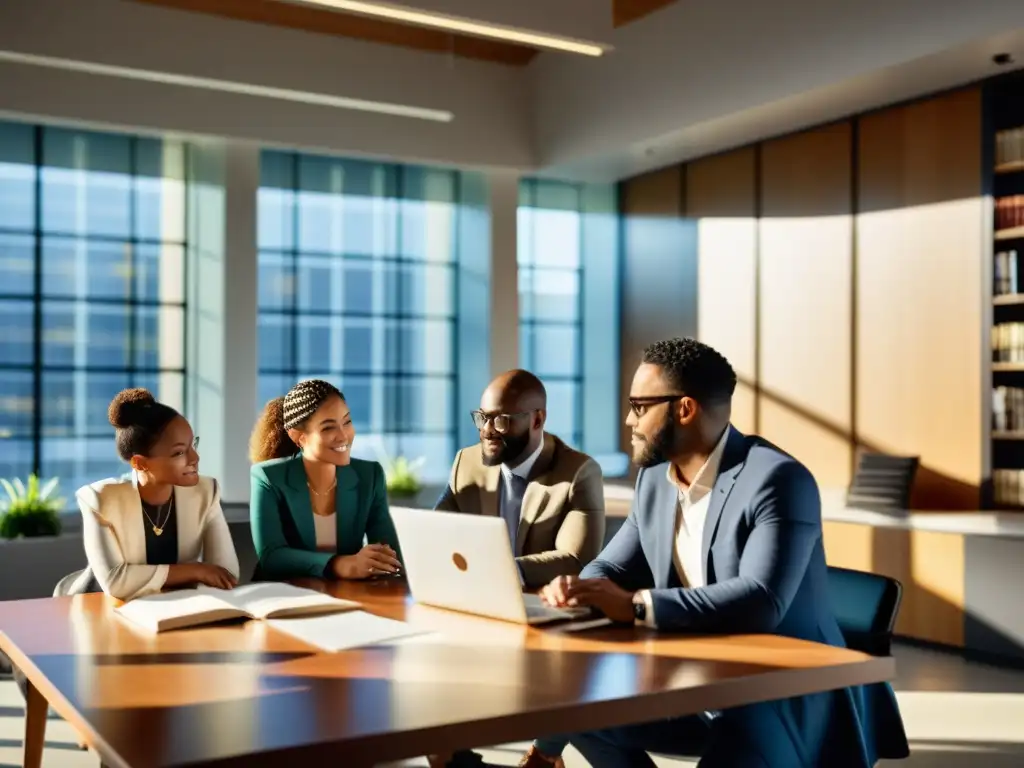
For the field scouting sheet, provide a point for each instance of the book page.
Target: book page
(342, 631)
(182, 608)
(273, 599)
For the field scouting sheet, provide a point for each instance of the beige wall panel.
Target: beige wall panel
(806, 241)
(825, 453)
(721, 198)
(919, 292)
(744, 404)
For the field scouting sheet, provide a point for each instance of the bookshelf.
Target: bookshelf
(1005, 181)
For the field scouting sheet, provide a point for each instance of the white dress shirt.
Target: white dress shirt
(691, 511)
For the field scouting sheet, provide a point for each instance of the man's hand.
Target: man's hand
(603, 594)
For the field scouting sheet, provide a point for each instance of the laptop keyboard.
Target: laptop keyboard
(538, 609)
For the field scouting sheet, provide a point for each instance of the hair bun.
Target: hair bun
(127, 406)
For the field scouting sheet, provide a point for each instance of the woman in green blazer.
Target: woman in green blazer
(311, 503)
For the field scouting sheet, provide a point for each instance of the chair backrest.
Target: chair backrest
(865, 605)
(882, 483)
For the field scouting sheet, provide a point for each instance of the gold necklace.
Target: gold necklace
(159, 529)
(315, 492)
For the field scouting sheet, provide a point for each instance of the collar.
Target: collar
(523, 470)
(705, 478)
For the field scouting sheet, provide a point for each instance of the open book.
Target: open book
(204, 605)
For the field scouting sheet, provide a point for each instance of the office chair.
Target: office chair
(882, 483)
(866, 606)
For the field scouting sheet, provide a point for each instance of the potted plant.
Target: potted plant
(30, 509)
(401, 475)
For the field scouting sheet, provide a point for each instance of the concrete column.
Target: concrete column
(222, 327)
(503, 195)
(488, 295)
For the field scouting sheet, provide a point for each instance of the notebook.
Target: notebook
(339, 632)
(204, 605)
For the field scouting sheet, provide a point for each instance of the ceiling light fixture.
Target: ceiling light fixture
(455, 24)
(231, 86)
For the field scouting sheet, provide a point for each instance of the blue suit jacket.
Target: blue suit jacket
(765, 572)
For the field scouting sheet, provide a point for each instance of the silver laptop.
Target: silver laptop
(465, 563)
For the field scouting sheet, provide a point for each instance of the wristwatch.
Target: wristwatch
(639, 608)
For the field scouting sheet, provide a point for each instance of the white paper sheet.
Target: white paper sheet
(342, 631)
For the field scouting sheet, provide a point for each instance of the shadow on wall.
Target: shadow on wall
(932, 490)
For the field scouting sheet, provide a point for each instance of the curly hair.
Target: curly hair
(270, 438)
(695, 368)
(138, 421)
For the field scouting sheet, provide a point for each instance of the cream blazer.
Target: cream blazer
(115, 537)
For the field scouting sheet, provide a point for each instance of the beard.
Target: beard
(512, 448)
(654, 450)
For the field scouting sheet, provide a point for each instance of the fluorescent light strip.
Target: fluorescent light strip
(440, 21)
(230, 86)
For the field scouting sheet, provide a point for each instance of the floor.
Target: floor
(957, 713)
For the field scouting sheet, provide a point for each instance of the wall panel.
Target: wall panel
(659, 284)
(919, 313)
(805, 284)
(721, 199)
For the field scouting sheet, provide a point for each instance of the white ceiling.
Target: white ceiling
(693, 78)
(703, 75)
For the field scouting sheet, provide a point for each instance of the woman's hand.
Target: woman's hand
(372, 560)
(213, 576)
(190, 574)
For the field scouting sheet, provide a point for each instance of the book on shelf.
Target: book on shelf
(1006, 273)
(1010, 147)
(1008, 343)
(1008, 409)
(1009, 212)
(204, 605)
(1008, 487)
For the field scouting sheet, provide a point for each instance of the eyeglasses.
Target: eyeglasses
(502, 421)
(639, 405)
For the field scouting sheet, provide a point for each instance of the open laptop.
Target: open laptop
(465, 563)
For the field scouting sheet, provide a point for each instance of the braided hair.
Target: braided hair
(270, 438)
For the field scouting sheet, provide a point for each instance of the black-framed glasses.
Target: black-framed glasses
(502, 421)
(639, 405)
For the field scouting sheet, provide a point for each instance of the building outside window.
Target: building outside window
(92, 243)
(569, 278)
(357, 285)
(550, 309)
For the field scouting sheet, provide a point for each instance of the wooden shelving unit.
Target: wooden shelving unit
(1013, 166)
(1005, 430)
(1013, 233)
(1008, 299)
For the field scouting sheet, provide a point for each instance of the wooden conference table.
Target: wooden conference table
(245, 695)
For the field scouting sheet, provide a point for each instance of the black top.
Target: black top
(162, 549)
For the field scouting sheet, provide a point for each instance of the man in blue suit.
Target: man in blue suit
(724, 537)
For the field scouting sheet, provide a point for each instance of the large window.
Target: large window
(357, 283)
(91, 293)
(550, 307)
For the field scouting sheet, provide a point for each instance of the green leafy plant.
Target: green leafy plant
(30, 509)
(401, 475)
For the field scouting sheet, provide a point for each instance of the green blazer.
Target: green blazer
(281, 517)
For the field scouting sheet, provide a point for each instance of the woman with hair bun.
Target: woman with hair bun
(164, 526)
(312, 504)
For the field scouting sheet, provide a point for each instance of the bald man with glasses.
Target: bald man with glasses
(551, 496)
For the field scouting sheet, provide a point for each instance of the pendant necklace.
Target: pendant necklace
(158, 529)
